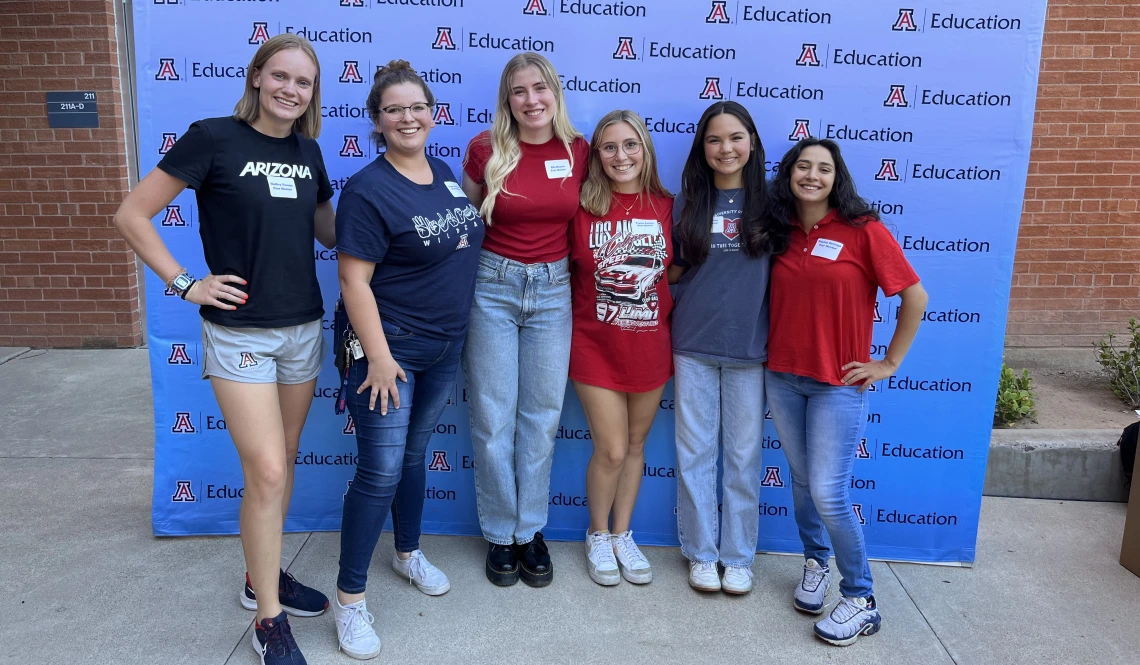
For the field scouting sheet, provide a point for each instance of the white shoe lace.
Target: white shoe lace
(705, 567)
(418, 567)
(845, 609)
(629, 549)
(357, 624)
(601, 552)
(813, 577)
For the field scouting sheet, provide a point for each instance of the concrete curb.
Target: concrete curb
(1080, 465)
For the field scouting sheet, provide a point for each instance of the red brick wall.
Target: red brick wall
(1077, 271)
(66, 277)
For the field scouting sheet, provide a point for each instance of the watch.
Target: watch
(182, 283)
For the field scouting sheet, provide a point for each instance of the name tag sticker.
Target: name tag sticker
(281, 188)
(455, 189)
(828, 249)
(718, 224)
(648, 227)
(557, 168)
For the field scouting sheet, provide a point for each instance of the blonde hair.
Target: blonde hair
(505, 152)
(597, 191)
(248, 107)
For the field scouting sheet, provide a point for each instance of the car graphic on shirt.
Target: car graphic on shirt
(631, 279)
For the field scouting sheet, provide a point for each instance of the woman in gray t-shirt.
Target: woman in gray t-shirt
(720, 334)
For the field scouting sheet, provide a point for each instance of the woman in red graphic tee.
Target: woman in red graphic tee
(621, 355)
(835, 256)
(525, 175)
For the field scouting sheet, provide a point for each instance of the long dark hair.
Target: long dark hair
(853, 209)
(693, 228)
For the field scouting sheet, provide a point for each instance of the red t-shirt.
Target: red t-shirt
(621, 298)
(822, 296)
(529, 226)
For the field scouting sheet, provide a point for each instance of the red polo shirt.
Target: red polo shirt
(822, 297)
(532, 224)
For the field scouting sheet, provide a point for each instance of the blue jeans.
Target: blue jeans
(390, 472)
(819, 427)
(516, 360)
(718, 401)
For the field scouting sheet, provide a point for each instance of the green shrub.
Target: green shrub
(1122, 366)
(1014, 398)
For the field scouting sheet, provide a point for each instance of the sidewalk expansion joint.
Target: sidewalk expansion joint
(938, 637)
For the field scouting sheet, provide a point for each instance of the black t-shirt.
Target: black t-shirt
(424, 240)
(256, 196)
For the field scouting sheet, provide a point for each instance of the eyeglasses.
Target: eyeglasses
(397, 112)
(629, 147)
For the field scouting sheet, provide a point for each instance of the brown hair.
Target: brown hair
(393, 73)
(597, 191)
(248, 107)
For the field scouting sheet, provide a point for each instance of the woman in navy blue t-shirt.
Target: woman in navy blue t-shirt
(408, 245)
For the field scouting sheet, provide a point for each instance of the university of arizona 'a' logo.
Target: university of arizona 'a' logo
(861, 452)
(349, 427)
(712, 88)
(857, 508)
(624, 49)
(173, 216)
(772, 477)
(808, 58)
(178, 355)
(351, 147)
(443, 114)
(535, 8)
(897, 97)
(260, 33)
(351, 3)
(718, 13)
(439, 461)
(183, 424)
(463, 244)
(351, 72)
(166, 70)
(247, 360)
(731, 228)
(888, 171)
(168, 139)
(443, 40)
(878, 316)
(801, 131)
(905, 21)
(768, 413)
(183, 494)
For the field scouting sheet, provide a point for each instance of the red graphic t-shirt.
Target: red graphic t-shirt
(621, 298)
(529, 225)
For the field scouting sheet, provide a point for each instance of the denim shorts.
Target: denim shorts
(263, 355)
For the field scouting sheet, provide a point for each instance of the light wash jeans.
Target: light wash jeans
(516, 360)
(819, 427)
(718, 401)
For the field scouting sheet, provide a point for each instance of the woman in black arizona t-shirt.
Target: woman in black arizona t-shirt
(262, 195)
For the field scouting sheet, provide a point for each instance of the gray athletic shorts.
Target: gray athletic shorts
(263, 355)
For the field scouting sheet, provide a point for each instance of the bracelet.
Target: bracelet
(181, 271)
(187, 290)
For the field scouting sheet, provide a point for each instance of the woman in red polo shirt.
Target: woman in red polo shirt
(620, 356)
(837, 255)
(525, 175)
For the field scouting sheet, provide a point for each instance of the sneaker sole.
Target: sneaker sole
(499, 578)
(735, 592)
(869, 629)
(251, 605)
(633, 577)
(359, 655)
(427, 590)
(612, 578)
(706, 589)
(535, 579)
(806, 610)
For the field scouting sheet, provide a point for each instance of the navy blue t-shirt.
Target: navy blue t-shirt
(424, 240)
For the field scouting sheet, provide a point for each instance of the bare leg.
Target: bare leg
(606, 415)
(295, 401)
(642, 408)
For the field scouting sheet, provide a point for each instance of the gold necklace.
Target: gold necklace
(627, 210)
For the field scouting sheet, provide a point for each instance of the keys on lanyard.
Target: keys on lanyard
(353, 352)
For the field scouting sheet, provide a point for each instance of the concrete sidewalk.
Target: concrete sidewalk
(84, 581)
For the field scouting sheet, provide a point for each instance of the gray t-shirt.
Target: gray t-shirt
(720, 307)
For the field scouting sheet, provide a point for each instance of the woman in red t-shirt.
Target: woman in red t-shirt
(620, 356)
(835, 257)
(525, 175)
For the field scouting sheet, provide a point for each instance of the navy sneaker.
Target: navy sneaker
(535, 566)
(850, 618)
(295, 598)
(273, 642)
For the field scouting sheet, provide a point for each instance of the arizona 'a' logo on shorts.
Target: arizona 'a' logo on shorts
(247, 360)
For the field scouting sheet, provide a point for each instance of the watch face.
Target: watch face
(181, 282)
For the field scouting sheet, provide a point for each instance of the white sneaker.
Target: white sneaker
(419, 571)
(812, 590)
(634, 566)
(703, 576)
(600, 561)
(850, 618)
(737, 580)
(354, 630)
